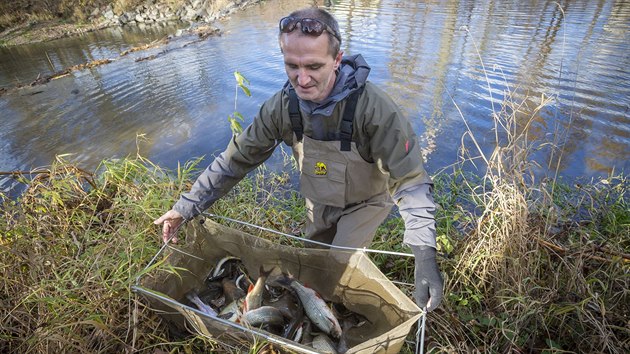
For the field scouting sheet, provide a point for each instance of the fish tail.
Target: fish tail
(285, 280)
(264, 273)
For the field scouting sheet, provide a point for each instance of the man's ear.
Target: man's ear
(338, 60)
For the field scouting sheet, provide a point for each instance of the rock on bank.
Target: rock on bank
(153, 11)
(98, 14)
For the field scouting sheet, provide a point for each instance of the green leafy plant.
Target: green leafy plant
(236, 118)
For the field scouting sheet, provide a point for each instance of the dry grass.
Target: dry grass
(532, 266)
(71, 247)
(75, 241)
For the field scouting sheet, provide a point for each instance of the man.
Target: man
(355, 151)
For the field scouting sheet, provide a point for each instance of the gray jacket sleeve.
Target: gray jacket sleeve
(213, 183)
(244, 153)
(395, 148)
(417, 208)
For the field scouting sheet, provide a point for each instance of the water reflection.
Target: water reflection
(436, 59)
(22, 64)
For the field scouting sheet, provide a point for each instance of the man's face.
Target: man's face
(309, 65)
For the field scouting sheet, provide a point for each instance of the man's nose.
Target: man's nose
(303, 77)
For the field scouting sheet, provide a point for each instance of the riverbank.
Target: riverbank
(528, 267)
(42, 31)
(45, 23)
(195, 17)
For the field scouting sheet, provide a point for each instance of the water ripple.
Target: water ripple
(427, 55)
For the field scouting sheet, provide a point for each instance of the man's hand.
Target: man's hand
(171, 220)
(429, 283)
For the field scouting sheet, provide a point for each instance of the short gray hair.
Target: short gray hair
(334, 40)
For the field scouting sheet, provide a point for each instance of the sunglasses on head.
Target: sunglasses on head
(310, 26)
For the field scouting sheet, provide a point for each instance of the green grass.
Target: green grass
(75, 241)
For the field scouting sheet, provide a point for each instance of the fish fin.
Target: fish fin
(264, 273)
(284, 280)
(226, 315)
(243, 306)
(316, 292)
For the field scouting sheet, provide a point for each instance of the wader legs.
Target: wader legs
(354, 226)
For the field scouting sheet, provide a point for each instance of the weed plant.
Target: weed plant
(528, 268)
(71, 246)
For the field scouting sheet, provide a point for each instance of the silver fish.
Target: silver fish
(233, 311)
(298, 335)
(315, 308)
(324, 344)
(220, 270)
(255, 292)
(203, 307)
(264, 315)
(243, 282)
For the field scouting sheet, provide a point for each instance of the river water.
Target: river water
(435, 58)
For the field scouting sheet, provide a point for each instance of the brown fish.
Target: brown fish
(231, 291)
(255, 292)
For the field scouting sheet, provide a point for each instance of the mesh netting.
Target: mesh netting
(349, 278)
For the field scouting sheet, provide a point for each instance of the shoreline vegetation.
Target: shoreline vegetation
(531, 265)
(528, 268)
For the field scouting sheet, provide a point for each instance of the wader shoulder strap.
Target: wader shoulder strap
(294, 114)
(345, 134)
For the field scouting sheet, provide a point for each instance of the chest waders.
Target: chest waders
(346, 196)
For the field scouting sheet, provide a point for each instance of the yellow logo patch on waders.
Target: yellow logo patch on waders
(320, 169)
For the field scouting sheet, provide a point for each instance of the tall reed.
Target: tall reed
(533, 268)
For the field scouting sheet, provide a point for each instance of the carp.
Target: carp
(314, 306)
(264, 315)
(253, 300)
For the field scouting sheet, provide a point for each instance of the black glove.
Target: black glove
(429, 283)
